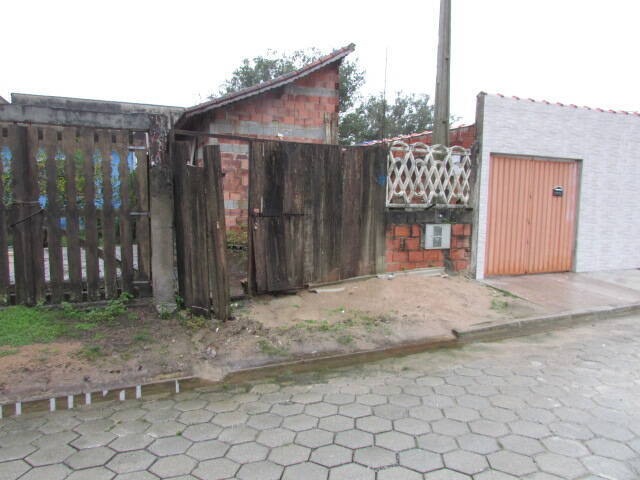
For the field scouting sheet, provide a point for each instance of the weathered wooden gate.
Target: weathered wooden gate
(74, 206)
(316, 213)
(200, 232)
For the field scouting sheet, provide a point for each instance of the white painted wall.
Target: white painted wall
(608, 145)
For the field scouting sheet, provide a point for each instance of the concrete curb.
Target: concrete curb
(528, 326)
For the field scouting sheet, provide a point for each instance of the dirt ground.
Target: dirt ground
(137, 347)
(362, 315)
(141, 347)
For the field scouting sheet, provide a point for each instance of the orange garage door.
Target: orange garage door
(532, 215)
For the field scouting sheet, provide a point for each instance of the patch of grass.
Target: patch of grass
(506, 293)
(91, 352)
(270, 349)
(21, 325)
(193, 322)
(499, 305)
(9, 351)
(110, 313)
(98, 336)
(142, 337)
(345, 339)
(86, 326)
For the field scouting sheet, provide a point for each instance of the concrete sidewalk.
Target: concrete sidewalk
(565, 292)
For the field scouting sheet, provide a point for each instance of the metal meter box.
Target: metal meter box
(436, 236)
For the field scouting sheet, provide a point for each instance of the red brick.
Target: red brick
(393, 244)
(412, 244)
(389, 256)
(458, 254)
(457, 229)
(401, 231)
(436, 264)
(459, 265)
(416, 256)
(433, 255)
(393, 267)
(415, 231)
(467, 229)
(400, 256)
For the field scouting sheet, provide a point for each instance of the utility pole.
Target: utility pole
(441, 121)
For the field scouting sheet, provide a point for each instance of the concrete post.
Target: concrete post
(162, 235)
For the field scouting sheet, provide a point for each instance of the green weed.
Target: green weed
(270, 349)
(499, 305)
(10, 351)
(345, 339)
(21, 325)
(91, 352)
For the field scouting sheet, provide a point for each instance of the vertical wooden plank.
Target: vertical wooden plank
(178, 152)
(352, 211)
(88, 147)
(36, 222)
(108, 226)
(125, 240)
(200, 273)
(257, 174)
(217, 258)
(142, 225)
(333, 219)
(379, 226)
(7, 135)
(72, 159)
(53, 214)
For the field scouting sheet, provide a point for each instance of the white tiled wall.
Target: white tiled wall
(608, 145)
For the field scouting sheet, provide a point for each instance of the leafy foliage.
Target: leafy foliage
(21, 325)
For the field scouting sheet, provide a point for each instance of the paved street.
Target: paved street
(563, 405)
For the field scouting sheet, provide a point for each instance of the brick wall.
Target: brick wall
(303, 111)
(404, 251)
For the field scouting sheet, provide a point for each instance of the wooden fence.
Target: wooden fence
(317, 213)
(74, 214)
(200, 231)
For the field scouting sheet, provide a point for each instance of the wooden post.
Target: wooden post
(162, 250)
(441, 121)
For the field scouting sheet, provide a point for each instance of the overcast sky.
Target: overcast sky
(177, 52)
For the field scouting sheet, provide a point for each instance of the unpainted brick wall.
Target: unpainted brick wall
(405, 253)
(292, 110)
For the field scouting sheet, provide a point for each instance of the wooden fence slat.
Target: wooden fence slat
(200, 273)
(88, 146)
(142, 222)
(126, 237)
(36, 222)
(7, 135)
(74, 259)
(53, 215)
(108, 227)
(179, 154)
(217, 259)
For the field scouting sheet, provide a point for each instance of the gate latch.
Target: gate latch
(558, 191)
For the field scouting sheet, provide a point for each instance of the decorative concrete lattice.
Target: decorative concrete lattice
(419, 175)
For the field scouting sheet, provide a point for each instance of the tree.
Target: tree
(361, 118)
(409, 113)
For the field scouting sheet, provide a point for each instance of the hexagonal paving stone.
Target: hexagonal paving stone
(163, 447)
(371, 399)
(374, 457)
(237, 434)
(50, 455)
(482, 444)
(512, 463)
(217, 469)
(173, 466)
(201, 432)
(15, 452)
(50, 472)
(131, 461)
(420, 460)
(165, 429)
(193, 417)
(529, 429)
(297, 423)
(128, 415)
(93, 440)
(98, 473)
(336, 423)
(229, 419)
(570, 430)
(354, 439)
(136, 441)
(339, 398)
(351, 472)
(264, 470)
(58, 439)
(95, 426)
(395, 441)
(495, 475)
(488, 427)
(446, 474)
(523, 445)
(188, 405)
(306, 471)
(287, 409)
(289, 454)
(314, 438)
(247, 452)
(91, 457)
(331, 456)
(609, 448)
(461, 414)
(14, 469)
(321, 409)
(466, 462)
(426, 413)
(374, 424)
(436, 443)
(208, 450)
(563, 446)
(609, 468)
(560, 465)
(355, 410)
(398, 473)
(450, 427)
(276, 437)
